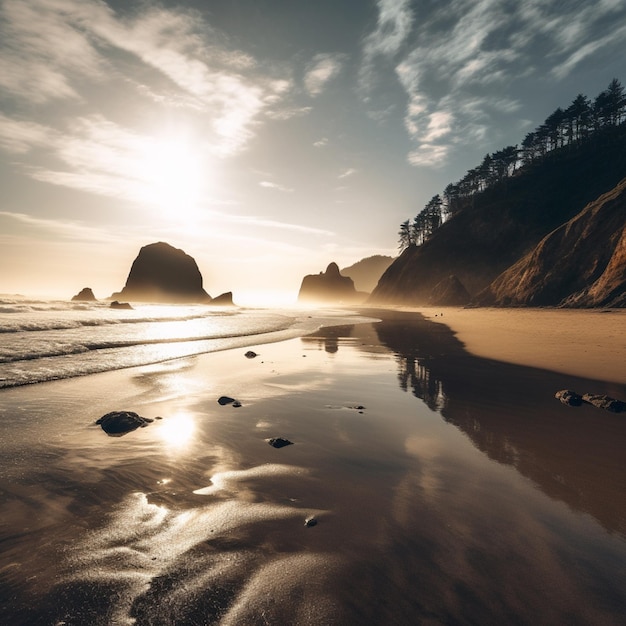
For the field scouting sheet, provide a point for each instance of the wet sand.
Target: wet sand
(447, 488)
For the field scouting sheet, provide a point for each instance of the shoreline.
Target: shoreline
(418, 461)
(586, 343)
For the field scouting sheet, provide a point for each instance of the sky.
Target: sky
(265, 138)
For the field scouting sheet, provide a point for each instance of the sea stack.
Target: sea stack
(329, 287)
(84, 295)
(162, 273)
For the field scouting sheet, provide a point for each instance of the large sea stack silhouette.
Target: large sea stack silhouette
(329, 287)
(162, 273)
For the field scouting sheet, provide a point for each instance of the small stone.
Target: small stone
(279, 442)
(250, 354)
(569, 397)
(310, 521)
(236, 404)
(224, 400)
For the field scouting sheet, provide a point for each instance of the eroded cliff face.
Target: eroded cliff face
(506, 223)
(162, 273)
(582, 263)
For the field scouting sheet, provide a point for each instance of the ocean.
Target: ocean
(43, 340)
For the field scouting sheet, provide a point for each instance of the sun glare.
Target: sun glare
(177, 432)
(174, 174)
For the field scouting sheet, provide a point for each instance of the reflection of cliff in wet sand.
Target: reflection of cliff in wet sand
(510, 413)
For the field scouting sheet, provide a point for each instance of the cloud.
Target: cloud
(60, 228)
(69, 50)
(346, 173)
(458, 60)
(322, 69)
(20, 137)
(320, 143)
(269, 185)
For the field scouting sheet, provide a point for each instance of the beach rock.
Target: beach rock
(310, 521)
(162, 273)
(84, 295)
(224, 400)
(569, 397)
(224, 299)
(604, 402)
(279, 442)
(121, 305)
(119, 423)
(250, 354)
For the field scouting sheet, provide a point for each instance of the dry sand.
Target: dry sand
(586, 343)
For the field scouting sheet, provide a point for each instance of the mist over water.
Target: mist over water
(49, 340)
(435, 501)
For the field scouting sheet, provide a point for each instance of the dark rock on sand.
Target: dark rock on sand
(84, 295)
(569, 397)
(224, 400)
(250, 354)
(605, 402)
(162, 273)
(310, 521)
(119, 423)
(120, 305)
(279, 442)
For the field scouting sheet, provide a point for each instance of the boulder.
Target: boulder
(118, 423)
(84, 295)
(162, 273)
(329, 287)
(121, 305)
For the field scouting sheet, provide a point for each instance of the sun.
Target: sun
(174, 175)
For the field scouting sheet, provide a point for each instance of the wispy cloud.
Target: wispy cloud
(320, 143)
(59, 228)
(322, 69)
(347, 173)
(273, 224)
(456, 59)
(69, 50)
(269, 185)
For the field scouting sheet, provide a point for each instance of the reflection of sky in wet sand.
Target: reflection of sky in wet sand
(432, 507)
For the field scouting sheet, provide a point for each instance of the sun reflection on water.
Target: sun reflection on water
(177, 431)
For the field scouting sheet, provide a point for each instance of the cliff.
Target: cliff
(367, 272)
(507, 222)
(162, 273)
(580, 264)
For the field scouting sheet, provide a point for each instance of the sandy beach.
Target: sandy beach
(585, 343)
(443, 487)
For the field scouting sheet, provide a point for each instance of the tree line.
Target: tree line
(573, 125)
